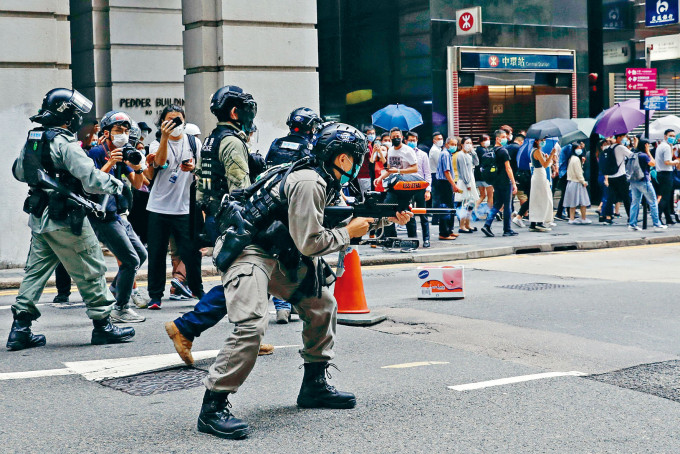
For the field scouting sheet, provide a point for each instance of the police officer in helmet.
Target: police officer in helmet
(303, 123)
(60, 231)
(288, 265)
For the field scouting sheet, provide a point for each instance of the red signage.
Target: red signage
(493, 61)
(641, 78)
(466, 21)
(663, 92)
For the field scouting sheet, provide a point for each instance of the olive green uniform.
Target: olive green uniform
(53, 242)
(255, 273)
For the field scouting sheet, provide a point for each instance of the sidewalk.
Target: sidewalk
(564, 237)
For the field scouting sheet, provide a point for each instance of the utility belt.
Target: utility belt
(59, 208)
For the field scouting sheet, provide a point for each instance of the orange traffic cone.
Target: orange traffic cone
(349, 293)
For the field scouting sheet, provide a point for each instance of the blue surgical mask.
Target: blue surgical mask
(411, 144)
(453, 148)
(346, 177)
(625, 142)
(504, 142)
(578, 152)
(370, 137)
(671, 140)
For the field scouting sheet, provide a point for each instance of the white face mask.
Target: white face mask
(467, 147)
(177, 131)
(486, 143)
(120, 139)
(439, 143)
(509, 137)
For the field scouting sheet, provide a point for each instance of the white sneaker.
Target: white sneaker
(552, 224)
(634, 228)
(518, 222)
(573, 221)
(585, 221)
(139, 299)
(126, 315)
(660, 228)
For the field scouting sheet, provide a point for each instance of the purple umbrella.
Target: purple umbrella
(621, 118)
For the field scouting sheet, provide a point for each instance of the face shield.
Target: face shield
(80, 102)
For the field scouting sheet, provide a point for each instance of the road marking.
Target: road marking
(36, 374)
(416, 364)
(102, 369)
(511, 380)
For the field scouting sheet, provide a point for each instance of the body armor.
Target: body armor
(287, 149)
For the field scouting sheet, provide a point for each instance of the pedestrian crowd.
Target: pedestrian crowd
(505, 177)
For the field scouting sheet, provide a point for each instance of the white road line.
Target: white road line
(416, 364)
(35, 374)
(10, 306)
(102, 369)
(511, 380)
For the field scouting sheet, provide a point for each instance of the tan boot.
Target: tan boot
(182, 344)
(266, 349)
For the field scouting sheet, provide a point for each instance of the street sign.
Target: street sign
(661, 12)
(656, 100)
(469, 21)
(641, 78)
(666, 47)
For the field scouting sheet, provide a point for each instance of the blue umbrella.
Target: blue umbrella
(397, 116)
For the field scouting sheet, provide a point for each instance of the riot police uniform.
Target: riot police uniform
(302, 123)
(290, 267)
(60, 231)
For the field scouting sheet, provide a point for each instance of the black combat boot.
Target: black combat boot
(315, 392)
(21, 337)
(216, 419)
(105, 332)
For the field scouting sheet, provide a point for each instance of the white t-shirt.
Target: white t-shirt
(621, 152)
(403, 158)
(167, 197)
(663, 154)
(435, 151)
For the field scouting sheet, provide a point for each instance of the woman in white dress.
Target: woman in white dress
(466, 181)
(541, 201)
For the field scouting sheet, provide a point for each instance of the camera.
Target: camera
(132, 155)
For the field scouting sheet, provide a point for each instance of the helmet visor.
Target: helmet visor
(81, 102)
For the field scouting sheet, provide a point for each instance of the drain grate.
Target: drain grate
(534, 286)
(159, 382)
(658, 379)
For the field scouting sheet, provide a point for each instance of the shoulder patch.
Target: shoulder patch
(290, 145)
(35, 135)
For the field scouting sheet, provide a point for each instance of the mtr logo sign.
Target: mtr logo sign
(469, 21)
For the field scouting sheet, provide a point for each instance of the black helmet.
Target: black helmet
(63, 106)
(135, 133)
(113, 118)
(336, 138)
(303, 119)
(226, 98)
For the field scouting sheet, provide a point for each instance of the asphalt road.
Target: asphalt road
(606, 323)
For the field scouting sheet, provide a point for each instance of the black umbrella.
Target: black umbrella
(557, 127)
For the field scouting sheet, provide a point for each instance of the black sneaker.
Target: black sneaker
(486, 230)
(61, 298)
(561, 217)
(510, 233)
(154, 304)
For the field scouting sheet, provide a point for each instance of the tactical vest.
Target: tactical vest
(287, 149)
(213, 176)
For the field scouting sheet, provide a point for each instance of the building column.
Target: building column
(271, 51)
(35, 57)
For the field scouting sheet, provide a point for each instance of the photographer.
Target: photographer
(116, 157)
(174, 159)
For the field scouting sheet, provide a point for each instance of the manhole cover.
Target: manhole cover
(158, 382)
(658, 379)
(533, 286)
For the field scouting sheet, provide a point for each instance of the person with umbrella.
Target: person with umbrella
(616, 182)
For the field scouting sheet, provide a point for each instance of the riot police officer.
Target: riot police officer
(303, 123)
(290, 204)
(60, 231)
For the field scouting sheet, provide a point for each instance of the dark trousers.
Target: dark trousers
(444, 199)
(665, 179)
(207, 313)
(524, 208)
(562, 186)
(138, 216)
(502, 200)
(419, 201)
(161, 226)
(63, 280)
(618, 192)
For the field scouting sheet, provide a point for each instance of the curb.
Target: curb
(440, 256)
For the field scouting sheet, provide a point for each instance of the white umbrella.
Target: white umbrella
(658, 126)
